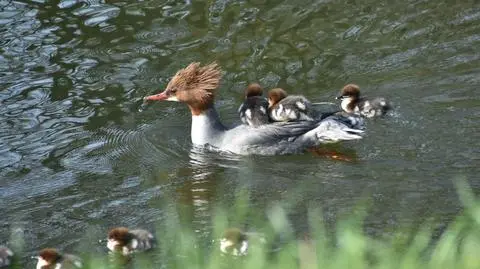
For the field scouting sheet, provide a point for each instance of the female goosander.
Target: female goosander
(50, 258)
(253, 111)
(195, 85)
(6, 256)
(284, 107)
(127, 241)
(353, 103)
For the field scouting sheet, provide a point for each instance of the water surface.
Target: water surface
(77, 154)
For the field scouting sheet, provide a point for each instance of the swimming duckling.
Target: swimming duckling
(367, 107)
(235, 242)
(128, 241)
(50, 258)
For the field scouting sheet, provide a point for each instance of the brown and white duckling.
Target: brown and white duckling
(284, 107)
(50, 258)
(6, 256)
(253, 110)
(128, 241)
(367, 107)
(234, 242)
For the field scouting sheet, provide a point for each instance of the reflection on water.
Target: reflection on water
(79, 150)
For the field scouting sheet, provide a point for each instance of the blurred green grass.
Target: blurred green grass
(349, 247)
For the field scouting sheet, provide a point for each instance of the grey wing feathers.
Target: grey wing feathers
(350, 120)
(282, 130)
(335, 128)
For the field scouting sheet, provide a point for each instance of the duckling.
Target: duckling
(253, 111)
(234, 242)
(6, 256)
(50, 258)
(128, 241)
(366, 107)
(237, 242)
(284, 107)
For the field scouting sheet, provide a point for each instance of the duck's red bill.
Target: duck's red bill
(156, 97)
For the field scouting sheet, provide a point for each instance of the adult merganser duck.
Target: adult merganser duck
(253, 111)
(127, 241)
(6, 256)
(50, 258)
(353, 103)
(195, 85)
(284, 107)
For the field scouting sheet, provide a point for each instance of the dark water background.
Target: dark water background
(77, 155)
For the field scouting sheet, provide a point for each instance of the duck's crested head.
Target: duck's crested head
(49, 256)
(120, 235)
(254, 89)
(194, 85)
(275, 95)
(349, 90)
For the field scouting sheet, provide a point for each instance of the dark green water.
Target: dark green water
(76, 153)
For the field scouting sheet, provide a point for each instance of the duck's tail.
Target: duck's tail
(338, 127)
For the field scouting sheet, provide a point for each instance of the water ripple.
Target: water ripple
(75, 150)
(160, 34)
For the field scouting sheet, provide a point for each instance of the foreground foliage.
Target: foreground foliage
(346, 247)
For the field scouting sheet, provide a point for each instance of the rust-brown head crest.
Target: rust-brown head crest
(275, 95)
(194, 85)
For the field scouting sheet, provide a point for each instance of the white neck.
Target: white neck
(345, 102)
(207, 128)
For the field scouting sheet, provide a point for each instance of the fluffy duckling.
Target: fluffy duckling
(367, 107)
(253, 111)
(50, 258)
(237, 242)
(234, 242)
(128, 241)
(284, 107)
(6, 256)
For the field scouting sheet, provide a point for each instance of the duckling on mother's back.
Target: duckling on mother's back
(253, 111)
(284, 107)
